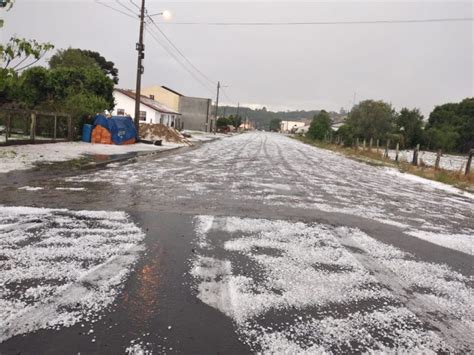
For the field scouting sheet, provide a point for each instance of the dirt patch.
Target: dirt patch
(159, 131)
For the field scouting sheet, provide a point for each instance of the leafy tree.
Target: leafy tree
(442, 138)
(20, 53)
(222, 122)
(80, 58)
(6, 4)
(320, 126)
(236, 120)
(410, 126)
(346, 133)
(371, 119)
(275, 125)
(451, 126)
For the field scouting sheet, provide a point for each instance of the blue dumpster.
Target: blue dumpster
(86, 133)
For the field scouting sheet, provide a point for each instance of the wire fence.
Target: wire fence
(26, 126)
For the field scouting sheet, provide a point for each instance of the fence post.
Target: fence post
(55, 127)
(469, 161)
(386, 148)
(438, 158)
(370, 144)
(415, 155)
(8, 126)
(397, 151)
(69, 128)
(33, 126)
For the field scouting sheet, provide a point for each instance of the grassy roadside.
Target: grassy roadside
(454, 178)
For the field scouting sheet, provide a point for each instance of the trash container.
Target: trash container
(86, 133)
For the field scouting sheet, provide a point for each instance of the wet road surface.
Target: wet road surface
(254, 242)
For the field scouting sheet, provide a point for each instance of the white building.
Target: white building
(289, 126)
(151, 111)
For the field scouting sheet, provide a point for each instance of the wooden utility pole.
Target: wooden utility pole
(469, 162)
(217, 104)
(141, 55)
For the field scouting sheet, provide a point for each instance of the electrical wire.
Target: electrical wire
(134, 4)
(181, 53)
(173, 55)
(461, 19)
(127, 8)
(115, 9)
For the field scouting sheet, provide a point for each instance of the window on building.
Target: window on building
(120, 112)
(142, 115)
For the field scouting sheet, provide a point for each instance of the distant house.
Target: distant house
(290, 126)
(151, 111)
(337, 122)
(195, 111)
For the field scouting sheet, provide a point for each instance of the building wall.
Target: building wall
(287, 126)
(195, 112)
(128, 105)
(164, 96)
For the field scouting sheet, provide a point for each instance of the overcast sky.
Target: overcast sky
(282, 67)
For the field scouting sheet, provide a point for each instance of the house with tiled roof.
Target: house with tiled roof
(151, 110)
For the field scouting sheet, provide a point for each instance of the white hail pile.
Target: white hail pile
(59, 267)
(296, 288)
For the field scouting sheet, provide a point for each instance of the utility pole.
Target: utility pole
(140, 69)
(238, 107)
(217, 103)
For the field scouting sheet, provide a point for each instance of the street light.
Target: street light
(166, 14)
(141, 55)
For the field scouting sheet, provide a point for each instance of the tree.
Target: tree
(7, 5)
(371, 119)
(346, 133)
(451, 126)
(275, 125)
(20, 53)
(222, 122)
(409, 124)
(80, 58)
(320, 126)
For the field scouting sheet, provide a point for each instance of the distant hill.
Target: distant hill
(262, 117)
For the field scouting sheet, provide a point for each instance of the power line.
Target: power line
(181, 53)
(199, 80)
(134, 4)
(115, 9)
(310, 23)
(127, 8)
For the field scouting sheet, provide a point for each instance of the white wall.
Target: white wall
(128, 104)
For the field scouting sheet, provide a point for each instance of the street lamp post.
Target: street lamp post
(140, 69)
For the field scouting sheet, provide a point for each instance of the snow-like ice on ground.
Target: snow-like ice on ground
(273, 170)
(302, 290)
(447, 161)
(26, 156)
(59, 267)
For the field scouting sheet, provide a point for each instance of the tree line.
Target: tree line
(450, 127)
(77, 82)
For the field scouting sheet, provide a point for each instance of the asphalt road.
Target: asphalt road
(251, 243)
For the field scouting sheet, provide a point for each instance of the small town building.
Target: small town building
(290, 126)
(151, 111)
(195, 111)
